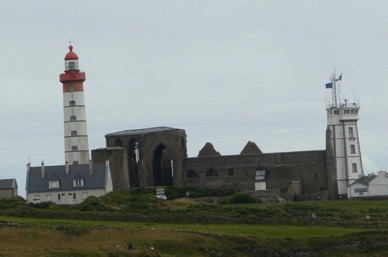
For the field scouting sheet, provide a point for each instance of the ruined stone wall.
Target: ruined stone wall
(117, 164)
(141, 172)
(239, 171)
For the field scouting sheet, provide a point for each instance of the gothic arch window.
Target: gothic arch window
(134, 149)
(74, 148)
(191, 174)
(73, 118)
(74, 133)
(118, 143)
(211, 173)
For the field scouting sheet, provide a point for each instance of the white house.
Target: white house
(372, 185)
(67, 184)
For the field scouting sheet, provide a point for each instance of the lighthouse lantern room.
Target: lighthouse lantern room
(76, 135)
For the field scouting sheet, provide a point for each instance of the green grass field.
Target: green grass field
(188, 227)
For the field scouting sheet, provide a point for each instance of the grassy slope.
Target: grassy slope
(340, 229)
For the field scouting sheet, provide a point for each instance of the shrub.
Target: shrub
(12, 202)
(240, 198)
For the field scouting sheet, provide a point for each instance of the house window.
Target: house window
(74, 196)
(352, 149)
(74, 148)
(54, 184)
(350, 129)
(74, 133)
(72, 103)
(78, 182)
(36, 198)
(48, 198)
(354, 167)
(73, 118)
(84, 195)
(59, 197)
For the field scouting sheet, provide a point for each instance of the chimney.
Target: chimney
(66, 167)
(42, 169)
(90, 168)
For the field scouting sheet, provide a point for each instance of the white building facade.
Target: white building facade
(342, 118)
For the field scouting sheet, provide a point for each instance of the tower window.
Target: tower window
(350, 130)
(72, 103)
(352, 149)
(74, 133)
(354, 167)
(73, 118)
(71, 88)
(336, 112)
(74, 148)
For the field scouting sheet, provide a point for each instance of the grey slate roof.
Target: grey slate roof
(35, 182)
(8, 183)
(131, 132)
(365, 180)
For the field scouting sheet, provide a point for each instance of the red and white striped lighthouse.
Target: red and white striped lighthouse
(76, 134)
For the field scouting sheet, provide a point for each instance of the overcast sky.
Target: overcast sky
(225, 71)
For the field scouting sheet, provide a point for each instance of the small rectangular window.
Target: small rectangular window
(78, 183)
(84, 195)
(48, 198)
(54, 184)
(72, 103)
(350, 130)
(352, 149)
(354, 167)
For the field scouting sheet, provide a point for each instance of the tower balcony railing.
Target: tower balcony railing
(345, 105)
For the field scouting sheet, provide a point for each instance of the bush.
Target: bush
(241, 198)
(93, 203)
(12, 202)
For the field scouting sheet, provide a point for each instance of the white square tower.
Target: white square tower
(342, 120)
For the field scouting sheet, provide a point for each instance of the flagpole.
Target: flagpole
(334, 90)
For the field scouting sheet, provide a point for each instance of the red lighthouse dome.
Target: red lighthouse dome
(71, 55)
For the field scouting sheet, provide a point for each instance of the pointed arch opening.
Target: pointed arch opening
(161, 165)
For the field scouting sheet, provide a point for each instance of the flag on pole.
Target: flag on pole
(339, 78)
(329, 85)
